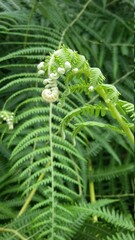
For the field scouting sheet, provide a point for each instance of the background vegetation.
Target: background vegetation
(37, 200)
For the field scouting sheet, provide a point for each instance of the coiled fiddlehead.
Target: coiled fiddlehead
(69, 63)
(62, 62)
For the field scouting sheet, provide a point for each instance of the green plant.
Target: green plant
(77, 70)
(45, 182)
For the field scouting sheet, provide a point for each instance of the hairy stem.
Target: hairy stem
(115, 114)
(123, 124)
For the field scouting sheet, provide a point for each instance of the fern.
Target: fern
(90, 109)
(112, 217)
(128, 108)
(44, 180)
(111, 173)
(122, 236)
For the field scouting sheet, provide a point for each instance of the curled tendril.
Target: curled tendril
(50, 95)
(51, 91)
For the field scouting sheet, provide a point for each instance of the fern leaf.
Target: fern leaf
(112, 172)
(128, 108)
(122, 236)
(79, 126)
(111, 216)
(96, 77)
(90, 109)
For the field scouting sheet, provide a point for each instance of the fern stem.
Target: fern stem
(52, 170)
(78, 177)
(123, 124)
(13, 231)
(92, 192)
(28, 200)
(116, 196)
(115, 114)
(28, 25)
(73, 22)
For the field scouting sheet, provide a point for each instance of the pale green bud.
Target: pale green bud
(41, 72)
(75, 70)
(61, 70)
(40, 65)
(53, 76)
(67, 65)
(91, 88)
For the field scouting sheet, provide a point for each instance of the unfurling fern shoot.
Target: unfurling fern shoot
(68, 63)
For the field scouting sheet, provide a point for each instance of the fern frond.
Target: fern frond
(95, 110)
(121, 236)
(29, 139)
(111, 216)
(112, 93)
(6, 212)
(128, 108)
(19, 81)
(79, 126)
(111, 172)
(96, 77)
(29, 53)
(25, 125)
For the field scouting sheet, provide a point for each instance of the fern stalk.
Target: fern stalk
(30, 197)
(115, 114)
(52, 170)
(92, 192)
(13, 231)
(125, 127)
(29, 20)
(73, 22)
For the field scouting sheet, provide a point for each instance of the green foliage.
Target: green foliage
(122, 236)
(112, 172)
(44, 180)
(112, 216)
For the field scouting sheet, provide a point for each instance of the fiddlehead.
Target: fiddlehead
(68, 63)
(71, 64)
(8, 117)
(62, 62)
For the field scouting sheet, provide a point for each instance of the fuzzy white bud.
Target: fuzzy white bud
(91, 88)
(10, 125)
(53, 76)
(40, 65)
(45, 81)
(75, 70)
(61, 70)
(67, 65)
(41, 72)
